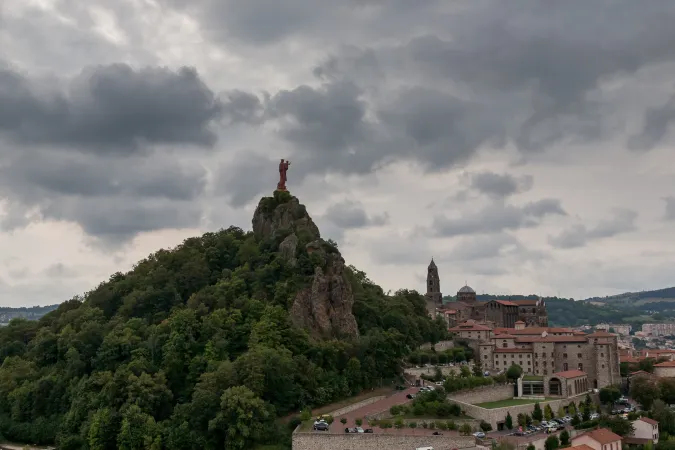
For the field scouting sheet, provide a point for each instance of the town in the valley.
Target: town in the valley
(505, 378)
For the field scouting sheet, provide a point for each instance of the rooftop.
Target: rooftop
(648, 420)
(665, 364)
(466, 290)
(570, 374)
(601, 435)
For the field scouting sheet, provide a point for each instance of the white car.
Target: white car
(479, 435)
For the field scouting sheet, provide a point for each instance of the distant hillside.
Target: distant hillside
(32, 313)
(666, 295)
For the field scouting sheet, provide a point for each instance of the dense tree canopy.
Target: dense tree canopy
(194, 349)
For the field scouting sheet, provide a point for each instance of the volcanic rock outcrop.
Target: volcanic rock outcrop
(324, 307)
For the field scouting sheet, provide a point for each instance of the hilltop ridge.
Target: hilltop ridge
(167, 355)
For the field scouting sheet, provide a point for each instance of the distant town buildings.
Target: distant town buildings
(621, 329)
(659, 329)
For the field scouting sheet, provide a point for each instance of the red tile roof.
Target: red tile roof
(534, 330)
(469, 327)
(580, 447)
(601, 435)
(551, 339)
(665, 364)
(506, 303)
(504, 336)
(649, 421)
(570, 374)
(520, 321)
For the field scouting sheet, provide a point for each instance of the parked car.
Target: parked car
(351, 430)
(368, 430)
(437, 433)
(321, 426)
(401, 387)
(595, 416)
(410, 396)
(479, 435)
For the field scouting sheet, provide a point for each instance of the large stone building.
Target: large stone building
(498, 313)
(545, 352)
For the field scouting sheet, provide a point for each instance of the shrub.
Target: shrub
(485, 426)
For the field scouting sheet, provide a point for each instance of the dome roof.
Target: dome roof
(466, 290)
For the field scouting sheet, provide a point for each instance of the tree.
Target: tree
(412, 426)
(645, 391)
(548, 412)
(551, 443)
(537, 413)
(522, 420)
(343, 421)
(564, 438)
(509, 421)
(609, 394)
(514, 372)
(465, 429)
(485, 426)
(358, 422)
(586, 413)
(618, 425)
(531, 447)
(477, 369)
(398, 423)
(464, 372)
(560, 412)
(243, 418)
(572, 409)
(667, 388)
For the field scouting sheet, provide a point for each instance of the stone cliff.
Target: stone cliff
(324, 307)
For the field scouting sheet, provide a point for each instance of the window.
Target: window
(545, 372)
(564, 355)
(485, 357)
(528, 363)
(602, 355)
(581, 366)
(603, 366)
(579, 355)
(504, 345)
(565, 367)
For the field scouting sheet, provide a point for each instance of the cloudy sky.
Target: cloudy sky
(526, 145)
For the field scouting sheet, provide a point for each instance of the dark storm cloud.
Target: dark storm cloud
(497, 217)
(622, 221)
(113, 106)
(657, 123)
(500, 185)
(110, 198)
(349, 214)
(670, 208)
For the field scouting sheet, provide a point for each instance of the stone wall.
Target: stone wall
(377, 441)
(355, 406)
(483, 394)
(492, 416)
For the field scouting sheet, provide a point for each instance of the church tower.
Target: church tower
(434, 296)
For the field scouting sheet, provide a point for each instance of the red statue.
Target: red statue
(283, 168)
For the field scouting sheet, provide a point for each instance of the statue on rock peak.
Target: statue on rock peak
(283, 168)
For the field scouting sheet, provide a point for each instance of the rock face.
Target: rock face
(325, 306)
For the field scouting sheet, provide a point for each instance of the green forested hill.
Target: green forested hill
(195, 347)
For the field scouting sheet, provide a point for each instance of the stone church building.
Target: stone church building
(498, 313)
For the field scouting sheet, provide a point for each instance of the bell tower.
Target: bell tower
(433, 295)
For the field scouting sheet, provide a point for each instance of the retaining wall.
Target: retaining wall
(377, 441)
(355, 406)
(483, 394)
(492, 416)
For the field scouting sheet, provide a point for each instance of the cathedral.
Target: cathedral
(496, 313)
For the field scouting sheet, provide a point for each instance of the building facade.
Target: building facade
(547, 351)
(659, 329)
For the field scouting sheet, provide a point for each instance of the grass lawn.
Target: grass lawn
(510, 402)
(533, 378)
